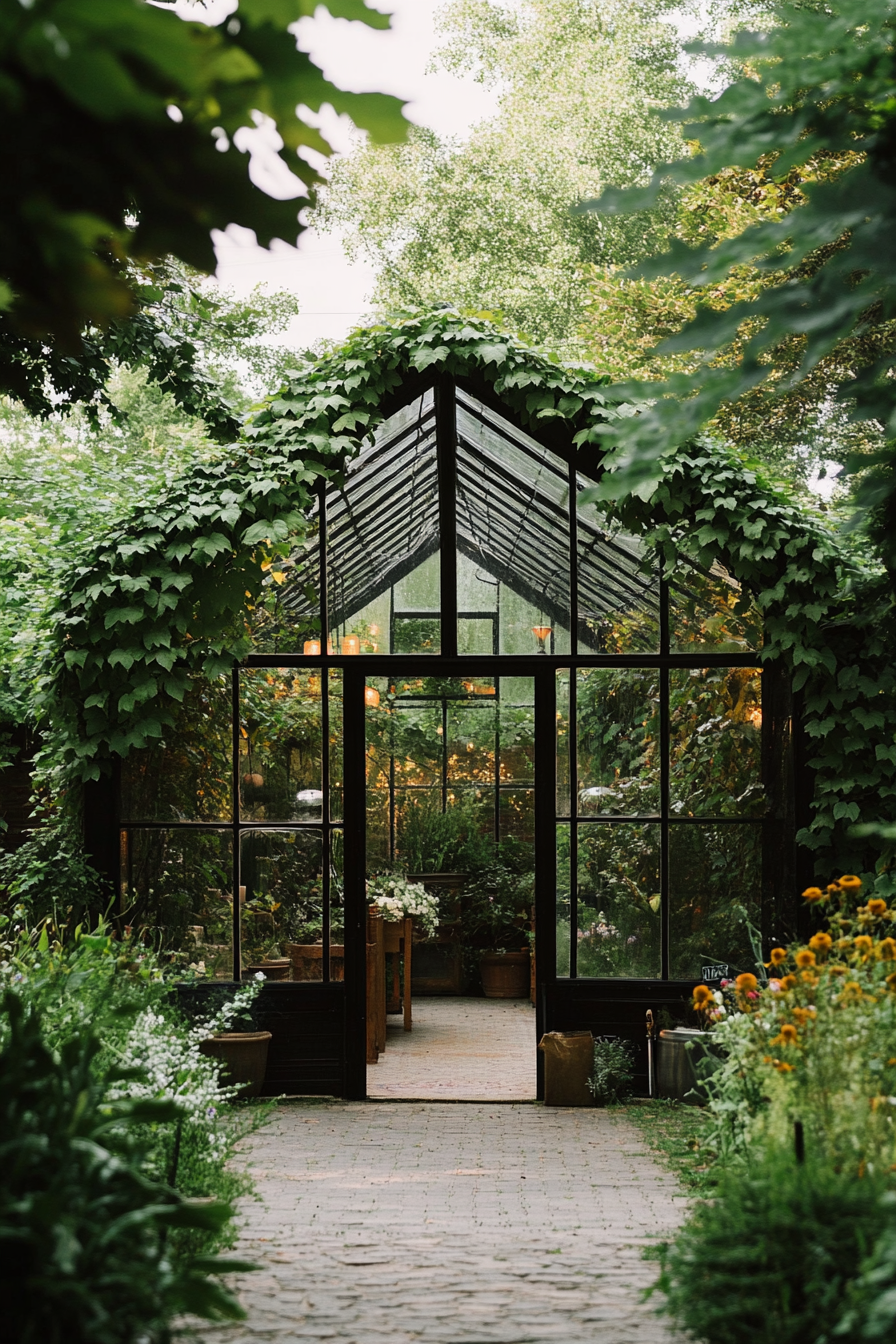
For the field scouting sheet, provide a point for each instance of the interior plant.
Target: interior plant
(86, 1226)
(432, 841)
(497, 906)
(614, 1071)
(398, 897)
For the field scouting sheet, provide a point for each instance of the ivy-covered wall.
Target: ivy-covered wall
(164, 597)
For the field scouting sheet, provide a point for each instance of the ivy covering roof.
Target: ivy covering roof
(163, 597)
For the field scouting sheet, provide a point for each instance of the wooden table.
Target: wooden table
(399, 943)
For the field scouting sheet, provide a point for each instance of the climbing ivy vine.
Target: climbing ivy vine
(164, 597)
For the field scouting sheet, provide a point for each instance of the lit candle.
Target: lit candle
(351, 644)
(312, 647)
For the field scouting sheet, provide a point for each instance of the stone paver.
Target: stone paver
(450, 1224)
(459, 1050)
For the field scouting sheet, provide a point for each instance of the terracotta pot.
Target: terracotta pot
(505, 975)
(278, 968)
(244, 1055)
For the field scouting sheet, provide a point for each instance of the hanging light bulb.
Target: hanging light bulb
(542, 633)
(371, 696)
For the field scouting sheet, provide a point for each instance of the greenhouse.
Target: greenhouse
(466, 674)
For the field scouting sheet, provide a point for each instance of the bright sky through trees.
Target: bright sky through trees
(333, 292)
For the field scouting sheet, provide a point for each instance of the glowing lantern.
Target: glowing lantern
(542, 633)
(351, 644)
(312, 647)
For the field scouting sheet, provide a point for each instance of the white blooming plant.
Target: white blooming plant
(398, 898)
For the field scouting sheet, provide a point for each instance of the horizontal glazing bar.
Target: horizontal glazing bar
(497, 665)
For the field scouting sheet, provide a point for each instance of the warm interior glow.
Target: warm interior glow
(542, 634)
(351, 644)
(371, 696)
(312, 646)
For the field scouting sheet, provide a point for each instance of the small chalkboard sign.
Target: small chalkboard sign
(718, 971)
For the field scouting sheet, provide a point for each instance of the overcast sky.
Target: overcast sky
(333, 293)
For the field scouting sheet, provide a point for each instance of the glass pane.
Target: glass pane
(280, 745)
(513, 527)
(336, 751)
(563, 743)
(177, 887)
(715, 718)
(379, 725)
(337, 905)
(710, 611)
(715, 880)
(282, 897)
(517, 730)
(618, 596)
(619, 917)
(477, 607)
(188, 775)
(383, 532)
(472, 728)
(617, 716)
(517, 815)
(563, 899)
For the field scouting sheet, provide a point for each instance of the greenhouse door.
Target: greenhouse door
(448, 768)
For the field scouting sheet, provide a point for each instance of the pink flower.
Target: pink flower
(752, 994)
(774, 986)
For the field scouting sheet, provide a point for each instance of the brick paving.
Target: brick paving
(390, 1223)
(459, 1050)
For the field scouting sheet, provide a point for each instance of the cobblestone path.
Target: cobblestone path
(459, 1050)
(397, 1222)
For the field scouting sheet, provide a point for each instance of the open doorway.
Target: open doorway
(450, 824)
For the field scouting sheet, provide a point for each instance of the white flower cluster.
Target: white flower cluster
(397, 897)
(172, 1068)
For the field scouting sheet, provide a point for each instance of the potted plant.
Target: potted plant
(243, 1055)
(397, 897)
(497, 928)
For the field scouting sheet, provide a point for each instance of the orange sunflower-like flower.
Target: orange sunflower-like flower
(886, 949)
(877, 907)
(744, 983)
(805, 958)
(850, 883)
(788, 1035)
(702, 997)
(789, 982)
(777, 956)
(852, 992)
(821, 942)
(803, 1015)
(813, 894)
(890, 981)
(782, 1066)
(863, 945)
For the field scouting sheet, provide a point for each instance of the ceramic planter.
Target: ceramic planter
(244, 1055)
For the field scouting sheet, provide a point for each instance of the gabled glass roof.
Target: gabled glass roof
(512, 520)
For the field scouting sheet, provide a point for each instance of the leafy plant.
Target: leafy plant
(125, 130)
(775, 1252)
(614, 1070)
(397, 897)
(85, 1229)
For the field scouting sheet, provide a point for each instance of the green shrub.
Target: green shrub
(84, 1229)
(776, 1254)
(614, 1071)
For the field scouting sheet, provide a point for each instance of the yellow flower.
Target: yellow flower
(887, 949)
(777, 956)
(788, 1035)
(805, 958)
(852, 992)
(891, 981)
(849, 882)
(821, 942)
(745, 982)
(702, 997)
(833, 889)
(809, 978)
(813, 894)
(783, 1067)
(863, 944)
(877, 907)
(804, 1015)
(789, 982)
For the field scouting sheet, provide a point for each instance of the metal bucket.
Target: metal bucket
(676, 1076)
